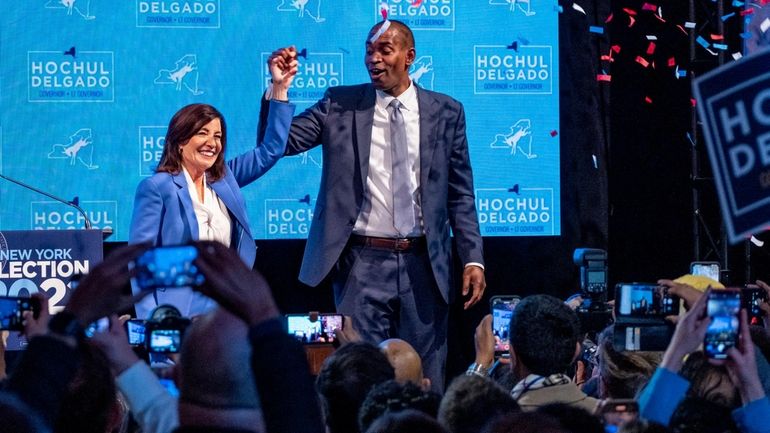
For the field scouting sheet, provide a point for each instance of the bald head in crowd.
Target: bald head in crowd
(405, 361)
(217, 387)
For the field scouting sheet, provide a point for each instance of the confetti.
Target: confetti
(746, 35)
(748, 11)
(689, 25)
(717, 37)
(609, 18)
(671, 62)
(554, 133)
(641, 60)
(692, 101)
(757, 242)
(765, 25)
(596, 162)
(648, 100)
(616, 48)
(631, 21)
(383, 28)
(578, 8)
(651, 48)
(629, 11)
(704, 43)
(596, 29)
(737, 3)
(722, 47)
(689, 138)
(652, 38)
(649, 7)
(680, 73)
(737, 55)
(728, 16)
(604, 77)
(681, 29)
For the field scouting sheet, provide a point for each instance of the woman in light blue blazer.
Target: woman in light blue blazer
(196, 195)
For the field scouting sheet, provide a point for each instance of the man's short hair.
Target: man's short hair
(391, 396)
(544, 334)
(344, 380)
(471, 402)
(402, 29)
(216, 363)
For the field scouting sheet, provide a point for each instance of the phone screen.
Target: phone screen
(706, 269)
(167, 267)
(135, 332)
(722, 333)
(643, 300)
(502, 311)
(12, 309)
(619, 412)
(100, 325)
(752, 297)
(319, 331)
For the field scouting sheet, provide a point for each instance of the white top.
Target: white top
(214, 222)
(376, 217)
(153, 407)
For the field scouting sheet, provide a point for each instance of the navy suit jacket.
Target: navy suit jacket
(163, 210)
(342, 122)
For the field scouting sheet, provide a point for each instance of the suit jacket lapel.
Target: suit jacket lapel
(226, 193)
(364, 118)
(187, 207)
(429, 117)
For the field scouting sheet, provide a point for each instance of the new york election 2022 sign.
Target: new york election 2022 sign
(734, 105)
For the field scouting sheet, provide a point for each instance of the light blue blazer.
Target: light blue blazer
(164, 214)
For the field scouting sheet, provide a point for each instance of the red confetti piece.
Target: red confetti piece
(651, 48)
(748, 11)
(671, 62)
(384, 11)
(641, 60)
(608, 58)
(649, 7)
(609, 18)
(717, 37)
(603, 77)
(616, 48)
(660, 18)
(554, 133)
(692, 101)
(679, 26)
(648, 100)
(631, 21)
(629, 11)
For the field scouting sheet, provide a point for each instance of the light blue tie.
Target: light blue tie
(403, 210)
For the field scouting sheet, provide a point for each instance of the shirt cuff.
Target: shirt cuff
(140, 386)
(474, 264)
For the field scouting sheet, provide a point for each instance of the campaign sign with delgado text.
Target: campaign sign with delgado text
(734, 106)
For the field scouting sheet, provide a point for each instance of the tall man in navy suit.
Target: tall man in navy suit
(394, 279)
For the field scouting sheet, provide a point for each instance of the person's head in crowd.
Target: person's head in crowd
(574, 419)
(216, 384)
(698, 415)
(406, 421)
(405, 361)
(709, 382)
(544, 336)
(526, 422)
(471, 402)
(15, 416)
(346, 377)
(623, 374)
(91, 403)
(643, 426)
(391, 396)
(188, 131)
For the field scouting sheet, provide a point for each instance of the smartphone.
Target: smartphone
(100, 325)
(722, 333)
(502, 310)
(167, 267)
(135, 331)
(12, 310)
(752, 297)
(311, 332)
(618, 412)
(165, 340)
(644, 300)
(706, 269)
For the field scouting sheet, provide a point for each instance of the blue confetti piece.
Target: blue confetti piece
(704, 43)
(681, 73)
(737, 3)
(728, 16)
(746, 35)
(720, 46)
(560, 9)
(689, 137)
(596, 29)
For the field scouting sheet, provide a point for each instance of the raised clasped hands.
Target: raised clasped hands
(283, 67)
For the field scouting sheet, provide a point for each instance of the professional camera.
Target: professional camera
(594, 313)
(165, 329)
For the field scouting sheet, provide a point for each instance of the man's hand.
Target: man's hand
(689, 294)
(283, 67)
(99, 293)
(348, 333)
(742, 365)
(32, 326)
(232, 285)
(114, 344)
(484, 341)
(473, 277)
(689, 333)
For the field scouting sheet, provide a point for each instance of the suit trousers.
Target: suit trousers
(393, 294)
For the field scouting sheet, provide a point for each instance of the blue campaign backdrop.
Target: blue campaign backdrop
(87, 88)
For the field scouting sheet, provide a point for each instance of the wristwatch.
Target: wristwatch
(67, 325)
(476, 369)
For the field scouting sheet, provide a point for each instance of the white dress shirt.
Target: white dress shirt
(214, 222)
(376, 217)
